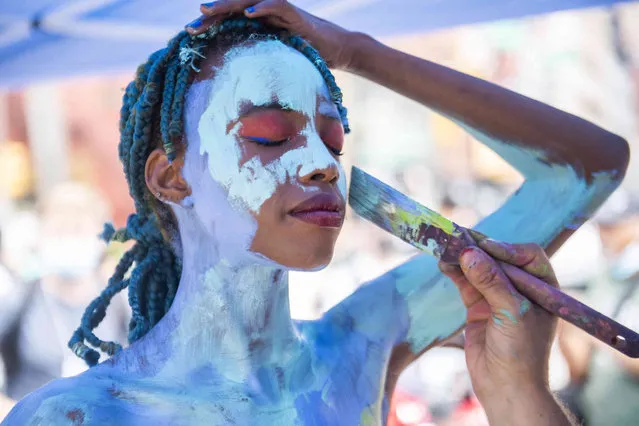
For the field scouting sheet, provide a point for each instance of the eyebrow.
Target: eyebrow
(325, 109)
(249, 108)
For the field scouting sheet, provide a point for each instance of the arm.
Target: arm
(570, 167)
(527, 407)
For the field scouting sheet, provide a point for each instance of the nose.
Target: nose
(317, 163)
(329, 173)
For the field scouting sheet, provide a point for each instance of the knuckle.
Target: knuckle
(535, 249)
(487, 277)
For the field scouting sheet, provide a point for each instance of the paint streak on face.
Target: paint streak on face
(271, 137)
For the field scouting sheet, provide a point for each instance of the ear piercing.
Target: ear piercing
(187, 202)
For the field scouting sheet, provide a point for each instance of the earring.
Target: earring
(187, 202)
(158, 195)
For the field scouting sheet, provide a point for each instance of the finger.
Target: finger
(529, 257)
(457, 340)
(469, 294)
(226, 6)
(267, 8)
(532, 287)
(201, 24)
(483, 273)
(196, 26)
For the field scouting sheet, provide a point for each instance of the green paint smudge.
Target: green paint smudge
(524, 306)
(508, 315)
(497, 321)
(425, 215)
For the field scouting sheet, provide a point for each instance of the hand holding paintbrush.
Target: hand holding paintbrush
(508, 339)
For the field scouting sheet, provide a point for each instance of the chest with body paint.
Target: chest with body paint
(337, 378)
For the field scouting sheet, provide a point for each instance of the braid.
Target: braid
(152, 114)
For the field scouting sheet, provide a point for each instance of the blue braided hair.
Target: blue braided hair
(151, 117)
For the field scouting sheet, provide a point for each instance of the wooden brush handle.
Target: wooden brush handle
(560, 304)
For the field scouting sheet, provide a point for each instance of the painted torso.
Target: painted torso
(337, 378)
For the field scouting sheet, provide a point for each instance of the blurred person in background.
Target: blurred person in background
(604, 385)
(7, 307)
(45, 311)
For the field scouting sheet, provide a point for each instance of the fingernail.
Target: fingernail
(196, 23)
(478, 236)
(250, 9)
(208, 5)
(491, 245)
(467, 258)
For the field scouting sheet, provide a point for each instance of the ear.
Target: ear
(164, 178)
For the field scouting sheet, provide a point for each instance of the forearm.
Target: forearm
(489, 109)
(526, 408)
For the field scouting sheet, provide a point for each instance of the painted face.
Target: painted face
(263, 138)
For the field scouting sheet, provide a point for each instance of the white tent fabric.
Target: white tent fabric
(48, 39)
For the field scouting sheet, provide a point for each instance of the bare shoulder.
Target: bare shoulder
(79, 400)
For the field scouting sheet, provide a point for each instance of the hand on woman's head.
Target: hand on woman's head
(328, 38)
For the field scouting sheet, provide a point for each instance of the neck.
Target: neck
(230, 315)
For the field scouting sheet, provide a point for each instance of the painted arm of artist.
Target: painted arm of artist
(570, 167)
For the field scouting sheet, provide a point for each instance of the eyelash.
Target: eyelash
(268, 142)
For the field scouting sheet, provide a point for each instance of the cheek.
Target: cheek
(254, 185)
(244, 181)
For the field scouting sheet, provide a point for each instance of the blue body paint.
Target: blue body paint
(507, 314)
(524, 306)
(229, 353)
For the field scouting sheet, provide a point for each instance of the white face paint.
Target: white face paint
(256, 74)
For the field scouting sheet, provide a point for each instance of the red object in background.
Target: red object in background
(408, 410)
(469, 412)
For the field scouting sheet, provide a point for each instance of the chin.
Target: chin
(315, 260)
(304, 261)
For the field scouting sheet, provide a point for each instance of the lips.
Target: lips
(325, 210)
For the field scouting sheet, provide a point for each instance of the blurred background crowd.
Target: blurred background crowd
(60, 180)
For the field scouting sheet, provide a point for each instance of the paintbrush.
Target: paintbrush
(434, 234)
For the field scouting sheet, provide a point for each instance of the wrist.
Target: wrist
(523, 406)
(355, 51)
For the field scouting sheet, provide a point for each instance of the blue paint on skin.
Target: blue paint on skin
(524, 306)
(507, 314)
(497, 321)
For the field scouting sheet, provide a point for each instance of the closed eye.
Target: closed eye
(336, 152)
(267, 142)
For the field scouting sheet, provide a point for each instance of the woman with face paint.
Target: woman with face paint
(230, 141)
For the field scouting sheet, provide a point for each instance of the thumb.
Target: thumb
(483, 273)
